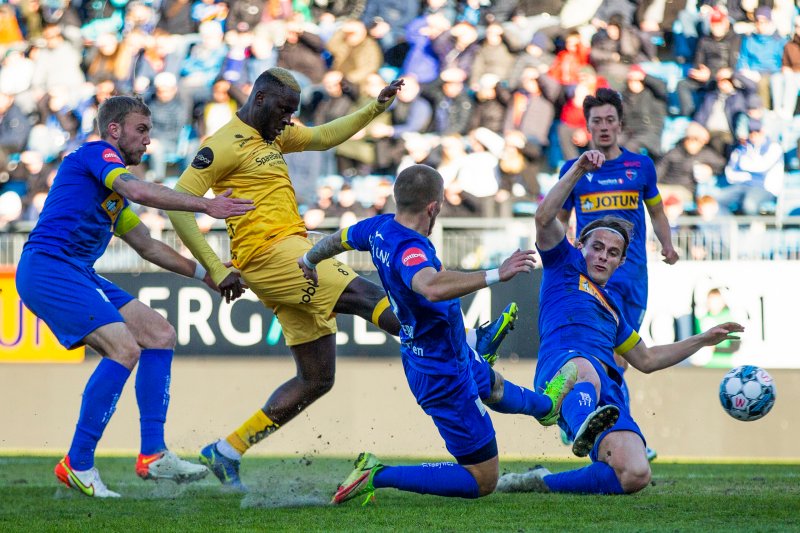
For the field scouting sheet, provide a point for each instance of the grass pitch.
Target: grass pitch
(293, 494)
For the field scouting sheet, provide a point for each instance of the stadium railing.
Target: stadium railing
(473, 243)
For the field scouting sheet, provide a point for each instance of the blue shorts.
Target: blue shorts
(73, 300)
(454, 404)
(610, 394)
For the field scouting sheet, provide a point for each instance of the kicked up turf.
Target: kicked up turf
(292, 494)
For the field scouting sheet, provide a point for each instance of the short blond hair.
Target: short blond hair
(284, 77)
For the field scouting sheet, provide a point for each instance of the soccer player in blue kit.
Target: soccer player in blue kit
(622, 187)
(448, 379)
(86, 206)
(579, 322)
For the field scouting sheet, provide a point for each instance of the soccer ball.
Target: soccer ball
(747, 393)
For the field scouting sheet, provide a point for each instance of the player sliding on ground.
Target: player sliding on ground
(580, 323)
(448, 379)
(247, 156)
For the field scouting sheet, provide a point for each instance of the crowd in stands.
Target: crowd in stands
(492, 98)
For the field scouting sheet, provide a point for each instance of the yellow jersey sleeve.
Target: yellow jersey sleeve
(213, 161)
(334, 133)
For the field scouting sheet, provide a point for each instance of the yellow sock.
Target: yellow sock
(256, 428)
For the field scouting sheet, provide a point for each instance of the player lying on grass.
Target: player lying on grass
(448, 379)
(580, 323)
(247, 156)
(87, 205)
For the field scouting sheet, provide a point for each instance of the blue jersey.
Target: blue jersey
(82, 212)
(432, 334)
(621, 187)
(575, 313)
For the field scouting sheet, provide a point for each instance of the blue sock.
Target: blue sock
(519, 400)
(597, 478)
(99, 402)
(577, 405)
(441, 479)
(152, 395)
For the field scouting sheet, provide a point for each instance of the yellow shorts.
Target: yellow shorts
(304, 311)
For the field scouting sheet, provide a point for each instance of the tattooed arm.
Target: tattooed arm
(325, 249)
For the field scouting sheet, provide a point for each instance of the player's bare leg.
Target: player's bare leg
(360, 298)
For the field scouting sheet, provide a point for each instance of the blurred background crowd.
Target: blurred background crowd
(492, 98)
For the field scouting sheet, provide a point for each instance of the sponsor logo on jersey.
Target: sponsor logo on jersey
(612, 181)
(203, 159)
(608, 201)
(269, 158)
(413, 257)
(110, 156)
(588, 286)
(636, 164)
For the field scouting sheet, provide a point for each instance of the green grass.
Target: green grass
(292, 495)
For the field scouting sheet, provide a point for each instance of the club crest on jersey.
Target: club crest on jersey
(630, 174)
(413, 257)
(203, 159)
(113, 205)
(110, 156)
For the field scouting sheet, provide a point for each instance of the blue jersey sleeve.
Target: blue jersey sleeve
(556, 256)
(651, 194)
(570, 202)
(103, 162)
(415, 254)
(359, 235)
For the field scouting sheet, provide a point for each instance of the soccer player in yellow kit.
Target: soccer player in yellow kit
(246, 155)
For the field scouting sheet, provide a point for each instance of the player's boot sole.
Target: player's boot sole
(598, 421)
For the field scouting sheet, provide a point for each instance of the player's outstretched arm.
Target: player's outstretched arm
(663, 232)
(337, 131)
(160, 197)
(437, 286)
(659, 357)
(549, 229)
(162, 255)
(327, 247)
(228, 281)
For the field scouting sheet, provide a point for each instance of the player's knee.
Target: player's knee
(320, 387)
(127, 354)
(164, 336)
(634, 478)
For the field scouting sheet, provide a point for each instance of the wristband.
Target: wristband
(492, 276)
(199, 272)
(308, 263)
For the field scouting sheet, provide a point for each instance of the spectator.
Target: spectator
(302, 52)
(243, 15)
(457, 47)
(176, 17)
(57, 64)
(489, 105)
(529, 111)
(10, 33)
(538, 54)
(644, 100)
(199, 70)
(520, 164)
(573, 137)
(494, 57)
(87, 109)
(787, 83)
(754, 173)
(726, 108)
(261, 55)
(761, 53)
(218, 111)
(355, 53)
(614, 49)
(57, 130)
(421, 60)
(16, 76)
(36, 177)
(387, 19)
(14, 126)
(569, 61)
(158, 55)
(356, 156)
(102, 60)
(719, 50)
(410, 113)
(347, 207)
(452, 107)
(170, 118)
(203, 10)
(234, 66)
(688, 164)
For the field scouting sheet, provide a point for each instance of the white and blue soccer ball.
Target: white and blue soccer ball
(747, 393)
